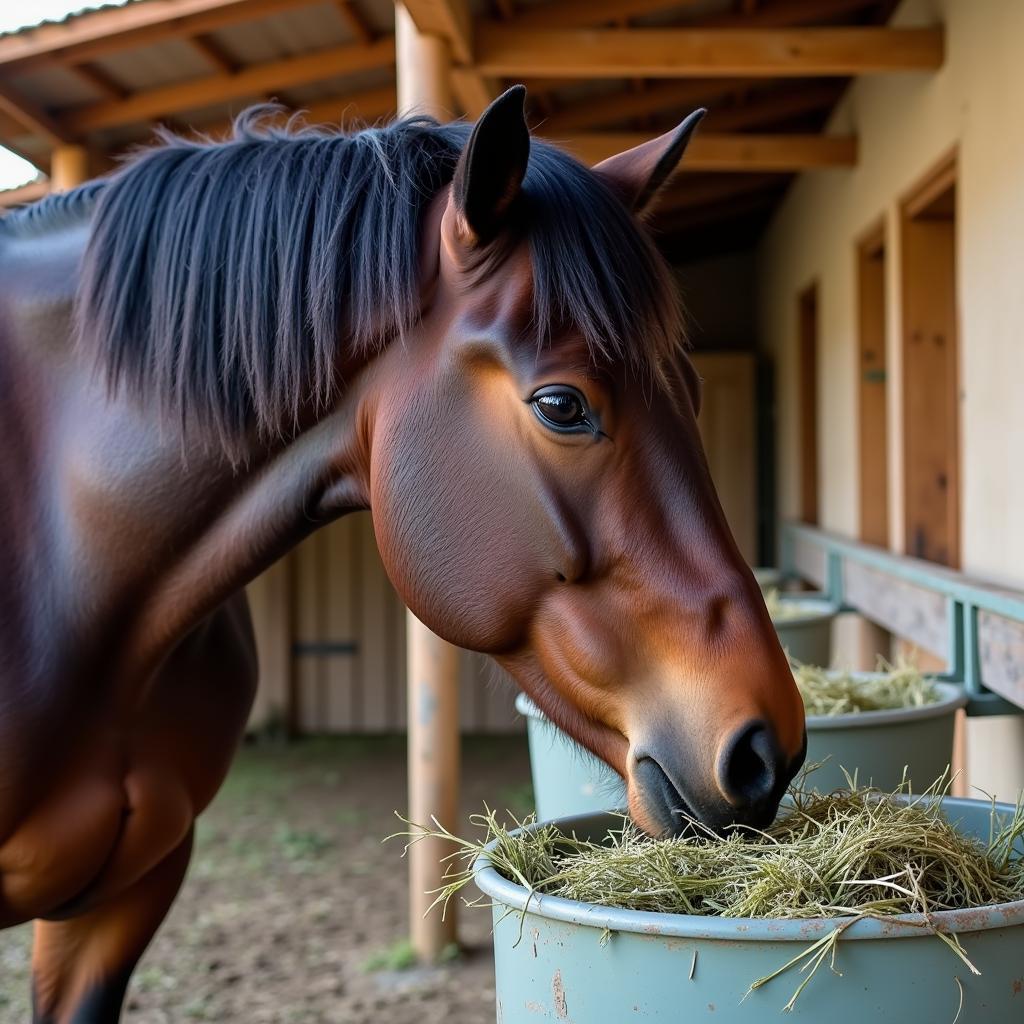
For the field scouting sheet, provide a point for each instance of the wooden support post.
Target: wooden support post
(69, 167)
(424, 86)
(424, 69)
(433, 682)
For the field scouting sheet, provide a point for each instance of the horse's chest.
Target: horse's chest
(121, 788)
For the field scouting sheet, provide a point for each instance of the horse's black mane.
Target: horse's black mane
(221, 279)
(51, 213)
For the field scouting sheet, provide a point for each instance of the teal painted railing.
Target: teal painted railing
(964, 598)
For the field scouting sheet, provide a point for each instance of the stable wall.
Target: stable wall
(906, 125)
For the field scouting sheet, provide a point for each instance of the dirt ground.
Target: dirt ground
(294, 912)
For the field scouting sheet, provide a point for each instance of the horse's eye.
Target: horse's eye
(562, 408)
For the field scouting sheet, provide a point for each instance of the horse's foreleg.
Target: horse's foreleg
(81, 966)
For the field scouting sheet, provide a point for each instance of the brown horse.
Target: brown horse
(226, 345)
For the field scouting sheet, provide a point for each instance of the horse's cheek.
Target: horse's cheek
(456, 530)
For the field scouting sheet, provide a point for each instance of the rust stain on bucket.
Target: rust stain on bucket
(558, 991)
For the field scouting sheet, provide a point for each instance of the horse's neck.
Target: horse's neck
(136, 534)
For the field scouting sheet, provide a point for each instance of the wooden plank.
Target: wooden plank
(728, 429)
(102, 32)
(338, 540)
(512, 51)
(931, 398)
(307, 712)
(270, 597)
(807, 398)
(872, 388)
(1001, 646)
(711, 152)
(376, 643)
(809, 562)
(221, 88)
(918, 615)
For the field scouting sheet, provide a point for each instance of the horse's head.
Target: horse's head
(539, 489)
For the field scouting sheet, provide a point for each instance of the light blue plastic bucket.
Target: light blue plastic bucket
(579, 963)
(876, 745)
(806, 635)
(768, 578)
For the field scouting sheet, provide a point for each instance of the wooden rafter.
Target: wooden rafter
(693, 190)
(358, 107)
(789, 13)
(777, 105)
(33, 117)
(711, 152)
(99, 80)
(102, 32)
(252, 81)
(584, 13)
(595, 111)
(354, 20)
(213, 53)
(512, 51)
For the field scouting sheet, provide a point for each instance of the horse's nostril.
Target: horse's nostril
(748, 771)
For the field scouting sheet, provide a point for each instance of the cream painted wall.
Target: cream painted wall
(906, 125)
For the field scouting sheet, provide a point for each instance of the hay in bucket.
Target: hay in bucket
(893, 687)
(849, 855)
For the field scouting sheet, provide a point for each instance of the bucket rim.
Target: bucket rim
(816, 610)
(742, 929)
(953, 697)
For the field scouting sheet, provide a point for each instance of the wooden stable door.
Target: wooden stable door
(931, 388)
(807, 398)
(871, 389)
(728, 429)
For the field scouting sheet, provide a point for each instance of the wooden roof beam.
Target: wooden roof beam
(354, 20)
(257, 80)
(98, 33)
(99, 80)
(682, 96)
(711, 152)
(352, 108)
(789, 13)
(213, 53)
(513, 52)
(584, 13)
(37, 120)
(777, 105)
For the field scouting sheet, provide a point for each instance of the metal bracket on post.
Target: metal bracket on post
(834, 582)
(965, 662)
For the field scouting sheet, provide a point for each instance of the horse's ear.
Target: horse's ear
(491, 168)
(639, 174)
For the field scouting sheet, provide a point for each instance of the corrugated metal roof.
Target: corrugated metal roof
(78, 12)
